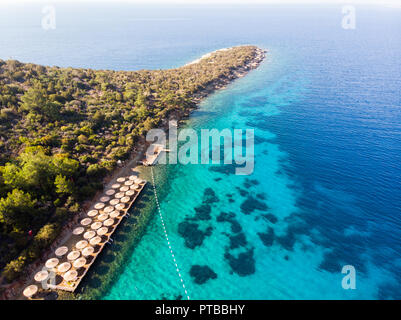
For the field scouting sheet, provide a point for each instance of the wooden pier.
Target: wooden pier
(151, 160)
(56, 279)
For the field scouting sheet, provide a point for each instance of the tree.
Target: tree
(46, 235)
(63, 186)
(51, 110)
(65, 166)
(17, 210)
(33, 99)
(98, 120)
(82, 139)
(36, 172)
(10, 176)
(120, 153)
(96, 171)
(140, 100)
(14, 268)
(36, 100)
(142, 112)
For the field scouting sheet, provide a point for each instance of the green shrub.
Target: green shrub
(46, 235)
(96, 170)
(14, 269)
(82, 139)
(120, 153)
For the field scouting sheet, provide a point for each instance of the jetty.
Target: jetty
(152, 159)
(70, 262)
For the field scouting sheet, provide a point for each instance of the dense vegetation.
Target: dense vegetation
(63, 129)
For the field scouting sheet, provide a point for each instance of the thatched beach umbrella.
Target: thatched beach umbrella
(125, 200)
(30, 291)
(120, 180)
(115, 214)
(119, 195)
(120, 206)
(73, 255)
(52, 263)
(61, 251)
(96, 225)
(96, 240)
(104, 199)
(81, 244)
(79, 263)
(130, 193)
(110, 192)
(64, 267)
(41, 276)
(116, 186)
(89, 234)
(93, 213)
(102, 231)
(86, 221)
(137, 180)
(114, 202)
(124, 189)
(132, 178)
(108, 209)
(129, 183)
(70, 275)
(77, 231)
(88, 251)
(108, 222)
(99, 206)
(103, 217)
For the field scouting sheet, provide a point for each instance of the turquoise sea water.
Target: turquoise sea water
(325, 107)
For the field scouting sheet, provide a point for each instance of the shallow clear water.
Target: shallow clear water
(325, 106)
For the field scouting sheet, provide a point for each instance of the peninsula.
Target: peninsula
(64, 131)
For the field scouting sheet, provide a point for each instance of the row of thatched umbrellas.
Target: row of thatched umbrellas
(105, 218)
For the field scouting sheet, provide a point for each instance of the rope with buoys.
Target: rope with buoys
(166, 235)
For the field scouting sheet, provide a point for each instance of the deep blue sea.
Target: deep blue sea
(326, 109)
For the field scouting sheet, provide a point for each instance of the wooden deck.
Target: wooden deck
(151, 160)
(71, 286)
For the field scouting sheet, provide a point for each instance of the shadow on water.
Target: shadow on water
(110, 262)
